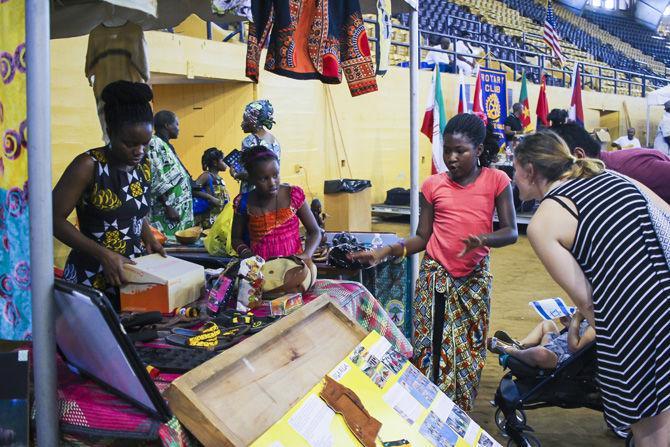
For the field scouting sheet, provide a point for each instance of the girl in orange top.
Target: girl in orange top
(451, 310)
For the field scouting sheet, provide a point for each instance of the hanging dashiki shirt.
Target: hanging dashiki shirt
(240, 8)
(111, 212)
(312, 39)
(171, 180)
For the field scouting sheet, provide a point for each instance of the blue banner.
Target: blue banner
(494, 99)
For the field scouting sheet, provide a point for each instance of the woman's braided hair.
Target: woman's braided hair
(126, 103)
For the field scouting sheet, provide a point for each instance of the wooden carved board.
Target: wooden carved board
(235, 397)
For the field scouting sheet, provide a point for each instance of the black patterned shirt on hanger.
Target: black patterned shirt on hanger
(110, 212)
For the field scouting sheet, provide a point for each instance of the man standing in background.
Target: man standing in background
(662, 141)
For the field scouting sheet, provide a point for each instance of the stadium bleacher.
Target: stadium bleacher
(513, 28)
(636, 34)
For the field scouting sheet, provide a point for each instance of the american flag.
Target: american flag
(551, 36)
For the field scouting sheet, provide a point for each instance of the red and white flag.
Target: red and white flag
(576, 112)
(477, 104)
(434, 122)
(462, 97)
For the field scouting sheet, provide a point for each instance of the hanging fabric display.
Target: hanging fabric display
(15, 307)
(115, 53)
(385, 28)
(240, 8)
(315, 39)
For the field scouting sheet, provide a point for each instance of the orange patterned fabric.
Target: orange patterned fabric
(312, 39)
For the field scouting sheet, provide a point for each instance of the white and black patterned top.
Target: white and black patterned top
(620, 254)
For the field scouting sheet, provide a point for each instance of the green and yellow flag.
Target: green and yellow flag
(523, 99)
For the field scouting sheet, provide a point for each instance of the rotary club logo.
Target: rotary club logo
(493, 107)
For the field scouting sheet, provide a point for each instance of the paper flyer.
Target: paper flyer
(552, 308)
(394, 392)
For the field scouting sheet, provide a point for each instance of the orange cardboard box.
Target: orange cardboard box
(162, 284)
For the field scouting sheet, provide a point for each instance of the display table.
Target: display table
(89, 415)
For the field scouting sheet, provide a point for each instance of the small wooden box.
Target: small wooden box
(234, 398)
(349, 211)
(162, 284)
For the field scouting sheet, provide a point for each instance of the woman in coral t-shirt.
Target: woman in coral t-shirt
(456, 230)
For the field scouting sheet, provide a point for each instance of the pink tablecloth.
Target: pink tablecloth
(91, 416)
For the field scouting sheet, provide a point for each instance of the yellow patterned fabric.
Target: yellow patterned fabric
(111, 213)
(15, 318)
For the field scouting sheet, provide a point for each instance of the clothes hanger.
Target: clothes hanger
(114, 21)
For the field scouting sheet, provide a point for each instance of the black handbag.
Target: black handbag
(397, 196)
(345, 185)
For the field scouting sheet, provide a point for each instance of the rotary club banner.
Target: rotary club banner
(494, 99)
(15, 310)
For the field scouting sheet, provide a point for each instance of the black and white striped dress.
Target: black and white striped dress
(620, 254)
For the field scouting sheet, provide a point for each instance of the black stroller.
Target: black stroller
(572, 385)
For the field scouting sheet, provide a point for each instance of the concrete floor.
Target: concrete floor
(519, 278)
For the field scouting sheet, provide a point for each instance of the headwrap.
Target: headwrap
(259, 113)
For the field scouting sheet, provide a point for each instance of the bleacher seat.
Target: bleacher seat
(518, 25)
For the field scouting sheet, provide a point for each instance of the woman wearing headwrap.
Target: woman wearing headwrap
(257, 121)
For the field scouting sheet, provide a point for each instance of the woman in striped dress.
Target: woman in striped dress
(599, 234)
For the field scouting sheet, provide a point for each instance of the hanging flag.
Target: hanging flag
(434, 122)
(462, 97)
(383, 50)
(576, 112)
(551, 36)
(477, 104)
(542, 109)
(523, 100)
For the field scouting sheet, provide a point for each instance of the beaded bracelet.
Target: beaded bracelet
(399, 260)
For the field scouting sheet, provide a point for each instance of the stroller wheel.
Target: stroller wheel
(501, 421)
(630, 442)
(528, 440)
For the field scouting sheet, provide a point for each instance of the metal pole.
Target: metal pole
(414, 133)
(41, 219)
(648, 126)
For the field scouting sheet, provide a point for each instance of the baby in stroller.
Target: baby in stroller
(545, 346)
(547, 368)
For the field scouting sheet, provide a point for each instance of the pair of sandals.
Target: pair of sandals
(501, 341)
(223, 332)
(148, 326)
(231, 318)
(210, 337)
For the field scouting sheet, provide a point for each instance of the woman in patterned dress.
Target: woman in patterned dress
(109, 188)
(257, 121)
(604, 239)
(451, 310)
(171, 192)
(211, 187)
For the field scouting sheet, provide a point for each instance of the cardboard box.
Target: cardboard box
(235, 397)
(349, 211)
(162, 284)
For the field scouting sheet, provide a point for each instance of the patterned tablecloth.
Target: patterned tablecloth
(91, 416)
(362, 306)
